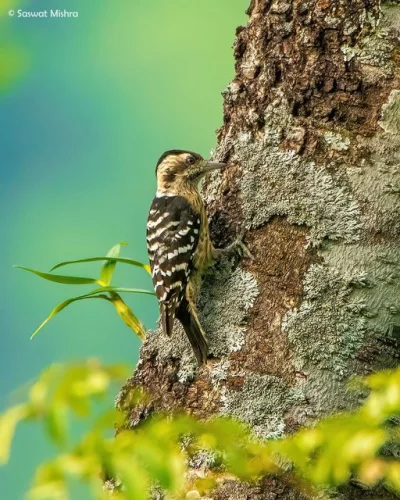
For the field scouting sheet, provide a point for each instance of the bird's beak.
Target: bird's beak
(213, 165)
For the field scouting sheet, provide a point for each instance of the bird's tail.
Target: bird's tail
(167, 318)
(192, 327)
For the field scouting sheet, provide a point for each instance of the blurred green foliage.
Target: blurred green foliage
(105, 292)
(6, 5)
(13, 59)
(159, 451)
(13, 62)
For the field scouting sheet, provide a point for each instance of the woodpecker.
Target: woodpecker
(179, 245)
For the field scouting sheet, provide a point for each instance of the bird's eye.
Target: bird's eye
(190, 160)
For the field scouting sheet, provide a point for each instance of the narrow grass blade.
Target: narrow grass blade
(57, 278)
(66, 303)
(126, 290)
(94, 294)
(108, 268)
(123, 260)
(126, 314)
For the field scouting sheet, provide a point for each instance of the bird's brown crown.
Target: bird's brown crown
(177, 155)
(177, 169)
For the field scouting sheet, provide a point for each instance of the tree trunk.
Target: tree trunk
(312, 130)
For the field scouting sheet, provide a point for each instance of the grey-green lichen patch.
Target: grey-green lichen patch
(374, 50)
(374, 273)
(219, 372)
(226, 297)
(157, 493)
(349, 52)
(262, 403)
(278, 182)
(390, 121)
(327, 330)
(337, 141)
(353, 298)
(322, 395)
(205, 459)
(391, 15)
(176, 347)
(373, 53)
(376, 181)
(111, 485)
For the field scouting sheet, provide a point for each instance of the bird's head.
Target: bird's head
(177, 167)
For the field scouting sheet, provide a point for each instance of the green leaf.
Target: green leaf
(51, 489)
(123, 260)
(125, 290)
(49, 482)
(108, 268)
(8, 423)
(119, 371)
(94, 294)
(41, 390)
(56, 278)
(56, 423)
(80, 406)
(127, 316)
(66, 303)
(134, 478)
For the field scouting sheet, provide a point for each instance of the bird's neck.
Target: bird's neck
(181, 188)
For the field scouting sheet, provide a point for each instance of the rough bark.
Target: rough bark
(312, 128)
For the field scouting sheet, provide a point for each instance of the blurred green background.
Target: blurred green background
(102, 96)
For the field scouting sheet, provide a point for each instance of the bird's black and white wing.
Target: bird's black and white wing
(173, 230)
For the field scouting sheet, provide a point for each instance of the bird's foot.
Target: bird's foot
(237, 247)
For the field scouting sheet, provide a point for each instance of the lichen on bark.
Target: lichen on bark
(312, 132)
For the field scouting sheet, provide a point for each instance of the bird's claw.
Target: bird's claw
(239, 247)
(243, 250)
